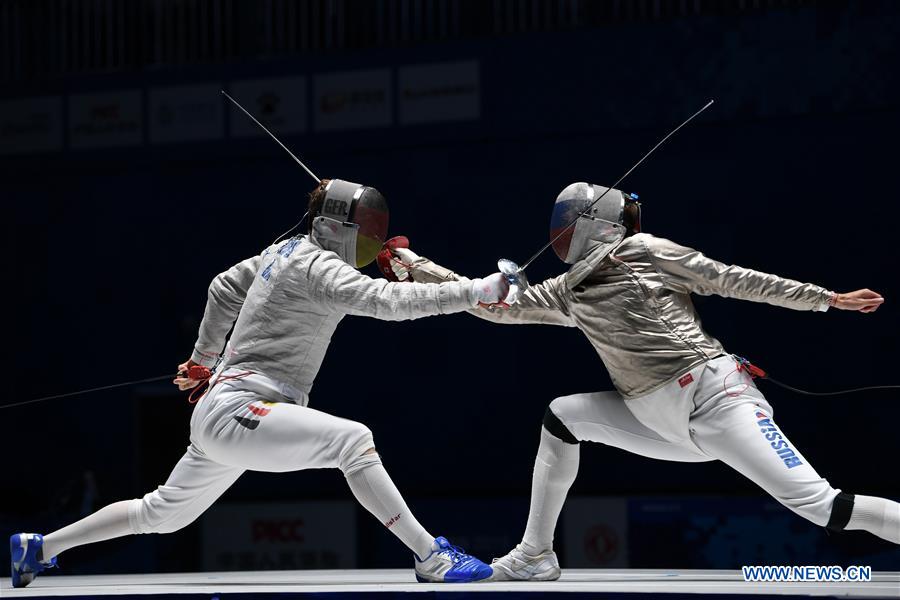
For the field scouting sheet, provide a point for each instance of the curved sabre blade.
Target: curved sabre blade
(272, 135)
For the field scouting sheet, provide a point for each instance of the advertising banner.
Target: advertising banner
(439, 92)
(279, 104)
(352, 100)
(29, 125)
(186, 113)
(106, 119)
(276, 536)
(595, 532)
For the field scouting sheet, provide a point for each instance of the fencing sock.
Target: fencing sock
(107, 523)
(555, 469)
(374, 489)
(876, 515)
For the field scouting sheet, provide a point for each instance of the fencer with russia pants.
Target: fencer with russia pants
(678, 394)
(287, 302)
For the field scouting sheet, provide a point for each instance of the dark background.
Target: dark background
(108, 252)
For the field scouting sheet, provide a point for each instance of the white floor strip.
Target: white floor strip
(883, 585)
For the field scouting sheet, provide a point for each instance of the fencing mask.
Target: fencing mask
(352, 221)
(604, 225)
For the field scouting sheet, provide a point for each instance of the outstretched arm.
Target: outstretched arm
(688, 270)
(864, 300)
(341, 287)
(540, 304)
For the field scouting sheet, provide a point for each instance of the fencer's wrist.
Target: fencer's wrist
(406, 255)
(204, 358)
(400, 270)
(434, 270)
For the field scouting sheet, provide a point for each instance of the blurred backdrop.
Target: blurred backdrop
(127, 184)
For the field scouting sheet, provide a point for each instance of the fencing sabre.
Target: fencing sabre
(195, 372)
(515, 275)
(277, 141)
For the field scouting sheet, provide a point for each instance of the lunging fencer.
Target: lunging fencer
(285, 305)
(679, 395)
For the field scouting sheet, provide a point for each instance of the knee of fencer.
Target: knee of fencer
(170, 526)
(825, 507)
(155, 514)
(555, 426)
(359, 451)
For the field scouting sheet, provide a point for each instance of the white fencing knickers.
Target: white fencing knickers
(711, 413)
(234, 429)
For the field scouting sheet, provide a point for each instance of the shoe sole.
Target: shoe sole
(507, 575)
(421, 579)
(17, 554)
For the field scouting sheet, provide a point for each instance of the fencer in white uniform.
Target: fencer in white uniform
(679, 396)
(287, 302)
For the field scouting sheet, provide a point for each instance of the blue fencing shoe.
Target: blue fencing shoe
(449, 564)
(27, 559)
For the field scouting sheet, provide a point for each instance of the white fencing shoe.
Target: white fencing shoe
(519, 566)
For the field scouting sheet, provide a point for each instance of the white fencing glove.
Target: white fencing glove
(491, 290)
(404, 260)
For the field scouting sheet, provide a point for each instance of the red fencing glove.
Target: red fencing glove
(388, 264)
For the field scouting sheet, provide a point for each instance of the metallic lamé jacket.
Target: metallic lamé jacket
(635, 306)
(288, 302)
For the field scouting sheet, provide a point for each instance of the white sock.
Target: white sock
(107, 523)
(374, 489)
(555, 469)
(876, 515)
